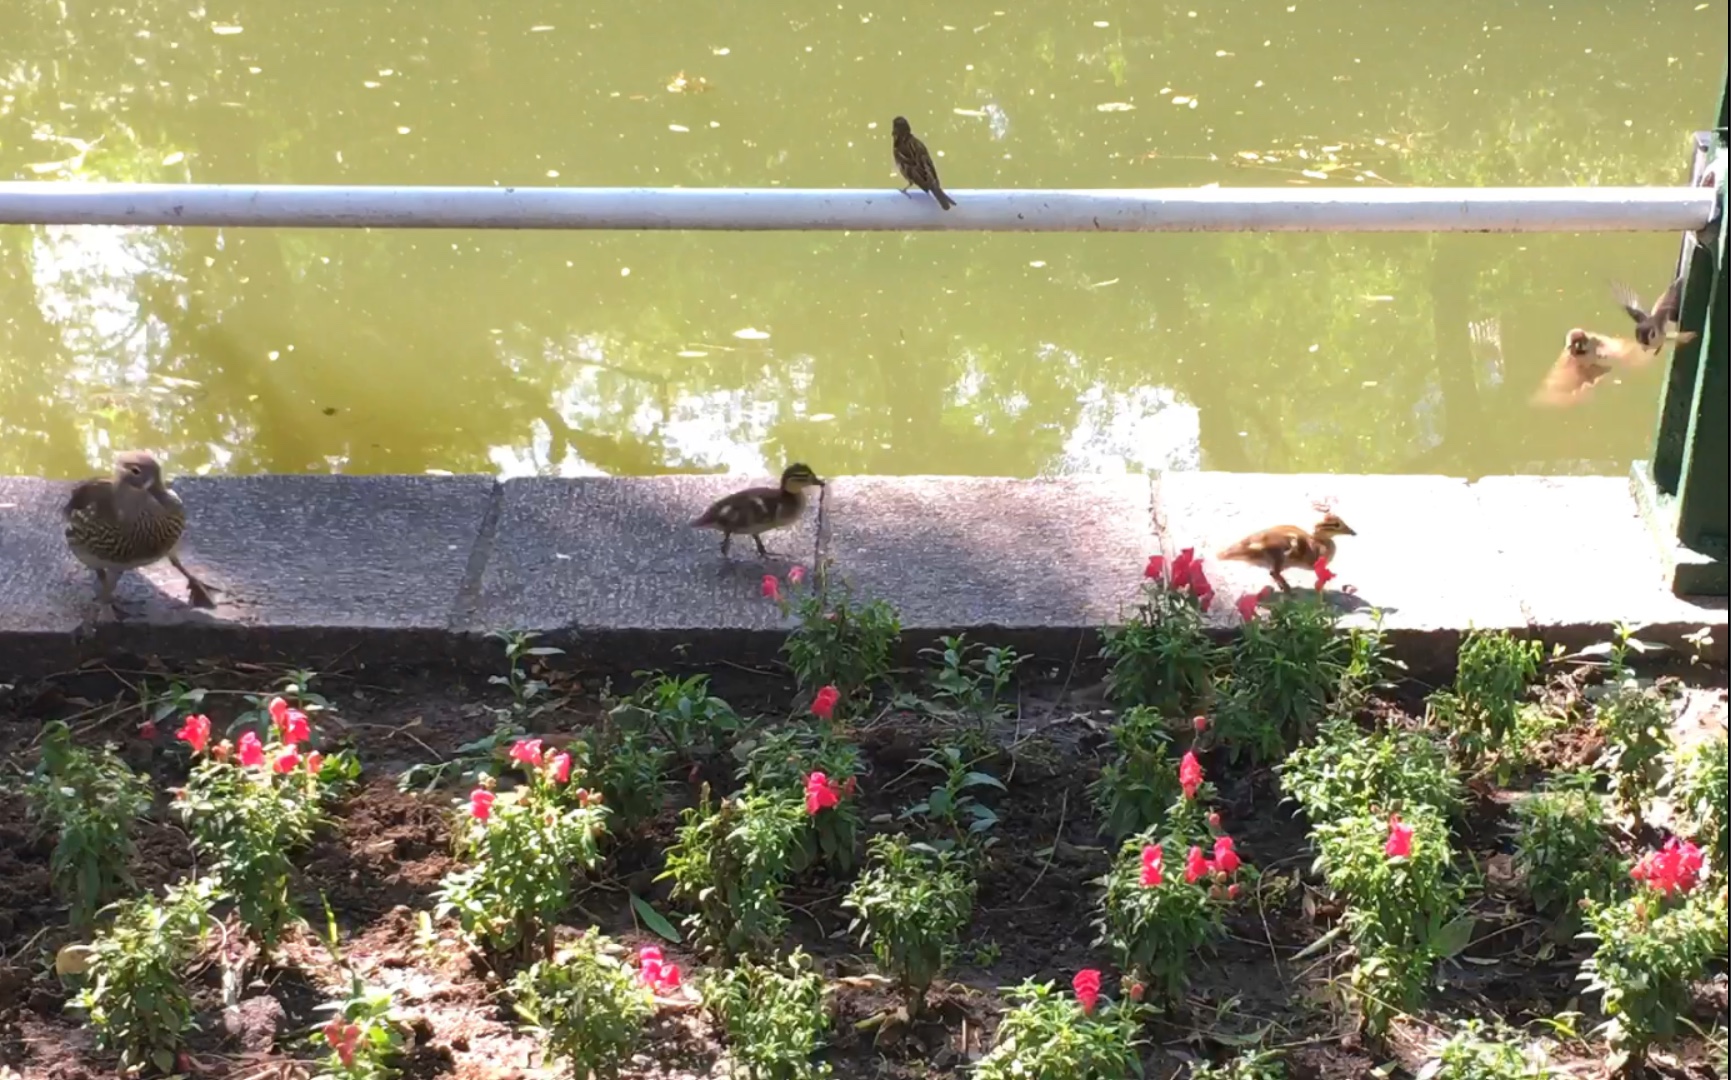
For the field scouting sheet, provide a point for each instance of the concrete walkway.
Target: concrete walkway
(323, 569)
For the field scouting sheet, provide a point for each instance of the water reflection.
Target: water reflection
(1004, 354)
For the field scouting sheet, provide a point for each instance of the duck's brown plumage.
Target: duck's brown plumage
(758, 510)
(1286, 546)
(127, 521)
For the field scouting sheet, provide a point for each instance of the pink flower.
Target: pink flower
(1195, 866)
(278, 709)
(195, 733)
(1674, 868)
(1086, 984)
(1153, 867)
(1190, 774)
(1214, 820)
(1226, 859)
(771, 587)
(655, 972)
(251, 750)
(796, 575)
(823, 705)
(526, 752)
(147, 730)
(315, 762)
(295, 728)
(1156, 568)
(1232, 891)
(481, 804)
(1200, 724)
(1399, 845)
(820, 793)
(560, 767)
(287, 761)
(1323, 574)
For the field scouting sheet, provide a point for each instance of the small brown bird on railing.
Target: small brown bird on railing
(915, 163)
(126, 522)
(758, 510)
(1286, 546)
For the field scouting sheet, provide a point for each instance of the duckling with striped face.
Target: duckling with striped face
(758, 510)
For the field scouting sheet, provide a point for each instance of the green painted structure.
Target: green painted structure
(1683, 491)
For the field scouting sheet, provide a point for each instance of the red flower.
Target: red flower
(1198, 581)
(1226, 859)
(1190, 774)
(287, 761)
(655, 972)
(251, 750)
(295, 728)
(1153, 866)
(1674, 868)
(771, 587)
(278, 709)
(1086, 984)
(796, 575)
(560, 767)
(315, 762)
(1232, 891)
(1136, 991)
(823, 705)
(1200, 724)
(526, 751)
(195, 733)
(1323, 574)
(1399, 845)
(147, 730)
(820, 793)
(1247, 606)
(1156, 568)
(1205, 599)
(342, 1037)
(481, 804)
(1181, 566)
(1195, 866)
(1214, 820)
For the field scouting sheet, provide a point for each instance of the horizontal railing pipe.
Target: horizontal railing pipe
(1512, 210)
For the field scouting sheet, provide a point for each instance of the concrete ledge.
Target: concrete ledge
(395, 569)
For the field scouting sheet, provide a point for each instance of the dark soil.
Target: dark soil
(385, 851)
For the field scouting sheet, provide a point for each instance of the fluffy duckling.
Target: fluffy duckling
(1284, 546)
(757, 510)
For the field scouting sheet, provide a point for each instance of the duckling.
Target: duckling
(1288, 545)
(1586, 358)
(757, 510)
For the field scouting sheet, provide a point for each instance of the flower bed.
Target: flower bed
(1263, 859)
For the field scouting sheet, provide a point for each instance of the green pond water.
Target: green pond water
(994, 354)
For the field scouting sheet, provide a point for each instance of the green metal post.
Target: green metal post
(1683, 492)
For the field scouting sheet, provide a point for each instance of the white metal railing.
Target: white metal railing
(1571, 209)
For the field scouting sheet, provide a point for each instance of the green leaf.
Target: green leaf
(654, 919)
(980, 779)
(1455, 936)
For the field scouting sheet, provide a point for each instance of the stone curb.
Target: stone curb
(392, 570)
